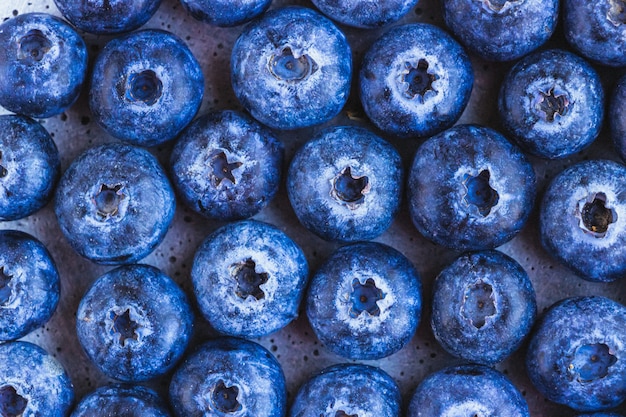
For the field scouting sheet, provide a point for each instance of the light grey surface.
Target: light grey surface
(295, 346)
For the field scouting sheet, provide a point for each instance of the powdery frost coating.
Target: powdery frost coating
(225, 12)
(367, 14)
(121, 400)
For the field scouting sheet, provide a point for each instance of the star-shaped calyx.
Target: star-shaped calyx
(617, 12)
(342, 413)
(594, 217)
(108, 199)
(416, 80)
(124, 326)
(224, 398)
(592, 362)
(551, 104)
(222, 169)
(479, 193)
(12, 404)
(248, 280)
(33, 46)
(348, 188)
(365, 298)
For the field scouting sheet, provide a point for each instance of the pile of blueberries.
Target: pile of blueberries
(467, 189)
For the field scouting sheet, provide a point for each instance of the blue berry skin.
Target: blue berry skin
(365, 14)
(29, 284)
(108, 18)
(29, 167)
(229, 377)
(134, 323)
(552, 104)
(583, 220)
(415, 80)
(617, 117)
(467, 390)
(364, 302)
(483, 307)
(145, 87)
(249, 278)
(32, 382)
(501, 30)
(43, 64)
(226, 166)
(470, 189)
(114, 204)
(291, 68)
(577, 354)
(225, 13)
(348, 390)
(346, 184)
(121, 400)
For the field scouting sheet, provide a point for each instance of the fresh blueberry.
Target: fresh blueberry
(249, 278)
(577, 354)
(145, 87)
(470, 189)
(617, 117)
(29, 167)
(32, 382)
(122, 401)
(229, 377)
(42, 65)
(364, 302)
(483, 307)
(501, 30)
(552, 104)
(348, 390)
(345, 184)
(108, 17)
(415, 80)
(291, 68)
(134, 323)
(366, 14)
(225, 13)
(226, 166)
(467, 390)
(114, 204)
(583, 219)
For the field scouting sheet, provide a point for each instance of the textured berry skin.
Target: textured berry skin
(226, 166)
(366, 14)
(617, 117)
(229, 377)
(108, 17)
(32, 382)
(291, 68)
(249, 278)
(501, 30)
(145, 87)
(577, 353)
(483, 307)
(552, 104)
(467, 390)
(415, 80)
(29, 167)
(114, 204)
(134, 323)
(583, 220)
(121, 400)
(364, 302)
(345, 184)
(225, 13)
(470, 189)
(29, 284)
(348, 390)
(43, 63)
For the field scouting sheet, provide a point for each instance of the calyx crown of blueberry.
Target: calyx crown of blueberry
(12, 404)
(498, 6)
(365, 298)
(342, 413)
(478, 303)
(222, 169)
(124, 326)
(286, 66)
(479, 193)
(416, 80)
(108, 199)
(617, 12)
(595, 217)
(144, 86)
(349, 189)
(248, 280)
(33, 46)
(592, 362)
(224, 398)
(5, 289)
(552, 103)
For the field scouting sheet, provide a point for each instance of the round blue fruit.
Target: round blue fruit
(415, 80)
(617, 117)
(121, 400)
(345, 184)
(225, 13)
(366, 14)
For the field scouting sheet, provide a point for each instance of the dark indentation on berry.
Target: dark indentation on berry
(417, 80)
(286, 66)
(222, 170)
(595, 216)
(479, 193)
(497, 5)
(552, 104)
(617, 12)
(34, 45)
(12, 404)
(108, 200)
(5, 289)
(144, 86)
(248, 280)
(224, 398)
(365, 298)
(3, 170)
(592, 362)
(350, 189)
(478, 304)
(124, 326)
(342, 413)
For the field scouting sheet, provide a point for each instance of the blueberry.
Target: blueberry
(226, 166)
(108, 17)
(364, 302)
(225, 13)
(114, 204)
(501, 30)
(32, 382)
(345, 184)
(291, 68)
(577, 353)
(467, 390)
(42, 65)
(365, 14)
(347, 390)
(483, 307)
(145, 87)
(552, 104)
(470, 189)
(134, 323)
(29, 167)
(415, 80)
(617, 117)
(249, 278)
(229, 377)
(583, 218)
(123, 401)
